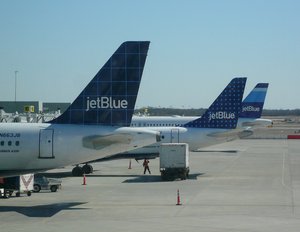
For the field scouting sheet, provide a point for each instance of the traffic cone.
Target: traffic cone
(129, 164)
(84, 179)
(178, 198)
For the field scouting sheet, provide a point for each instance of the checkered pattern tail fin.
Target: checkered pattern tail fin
(224, 111)
(109, 99)
(253, 104)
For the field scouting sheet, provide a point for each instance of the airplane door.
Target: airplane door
(174, 135)
(46, 144)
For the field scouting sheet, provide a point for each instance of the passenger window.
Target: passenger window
(17, 143)
(9, 143)
(2, 143)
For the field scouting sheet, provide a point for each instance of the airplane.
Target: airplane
(250, 115)
(95, 125)
(216, 125)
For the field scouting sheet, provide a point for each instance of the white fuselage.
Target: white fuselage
(176, 121)
(39, 146)
(195, 137)
(172, 131)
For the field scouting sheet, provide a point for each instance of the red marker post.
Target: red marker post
(178, 198)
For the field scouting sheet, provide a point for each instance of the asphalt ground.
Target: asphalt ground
(244, 185)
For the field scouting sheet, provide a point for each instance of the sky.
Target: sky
(197, 47)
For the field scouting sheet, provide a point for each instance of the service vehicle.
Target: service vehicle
(43, 183)
(174, 161)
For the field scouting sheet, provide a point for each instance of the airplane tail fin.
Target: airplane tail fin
(253, 104)
(224, 111)
(109, 99)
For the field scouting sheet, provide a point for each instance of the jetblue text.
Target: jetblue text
(251, 109)
(221, 115)
(105, 103)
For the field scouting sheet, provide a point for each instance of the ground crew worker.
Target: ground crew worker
(146, 166)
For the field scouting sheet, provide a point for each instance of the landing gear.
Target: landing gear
(78, 171)
(87, 169)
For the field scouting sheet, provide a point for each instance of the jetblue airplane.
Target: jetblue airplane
(250, 115)
(216, 125)
(95, 125)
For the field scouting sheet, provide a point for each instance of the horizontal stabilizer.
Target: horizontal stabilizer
(258, 122)
(232, 134)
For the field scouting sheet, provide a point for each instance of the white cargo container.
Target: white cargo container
(174, 161)
(26, 183)
(20, 184)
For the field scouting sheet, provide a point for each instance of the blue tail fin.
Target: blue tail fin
(224, 111)
(109, 99)
(253, 104)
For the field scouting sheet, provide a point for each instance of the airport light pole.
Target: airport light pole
(16, 72)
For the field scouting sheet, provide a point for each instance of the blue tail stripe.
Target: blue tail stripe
(223, 113)
(109, 99)
(253, 104)
(256, 96)
(262, 85)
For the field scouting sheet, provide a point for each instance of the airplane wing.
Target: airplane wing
(98, 142)
(126, 136)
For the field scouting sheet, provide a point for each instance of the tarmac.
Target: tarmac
(243, 185)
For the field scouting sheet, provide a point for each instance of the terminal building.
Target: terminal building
(32, 106)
